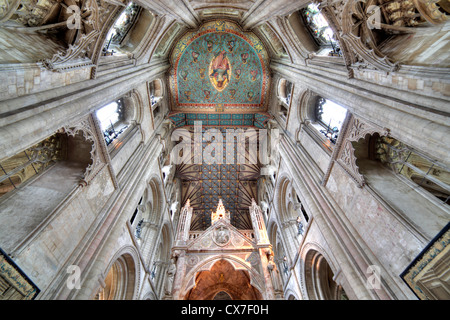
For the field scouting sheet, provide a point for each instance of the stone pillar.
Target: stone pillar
(179, 250)
(259, 226)
(265, 252)
(271, 280)
(169, 280)
(180, 255)
(184, 224)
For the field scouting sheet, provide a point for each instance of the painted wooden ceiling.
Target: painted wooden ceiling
(219, 68)
(219, 76)
(233, 182)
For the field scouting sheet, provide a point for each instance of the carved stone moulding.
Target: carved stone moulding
(357, 35)
(357, 129)
(86, 127)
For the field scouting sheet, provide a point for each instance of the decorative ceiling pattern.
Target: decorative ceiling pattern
(219, 68)
(257, 120)
(235, 183)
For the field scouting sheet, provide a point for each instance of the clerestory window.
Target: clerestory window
(111, 120)
(320, 31)
(329, 118)
(117, 34)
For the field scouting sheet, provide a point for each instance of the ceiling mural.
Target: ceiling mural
(219, 68)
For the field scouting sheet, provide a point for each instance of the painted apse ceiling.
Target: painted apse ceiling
(218, 68)
(219, 75)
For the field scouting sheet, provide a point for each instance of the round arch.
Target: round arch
(238, 264)
(291, 295)
(134, 107)
(155, 193)
(318, 275)
(307, 105)
(121, 276)
(156, 88)
(214, 280)
(281, 197)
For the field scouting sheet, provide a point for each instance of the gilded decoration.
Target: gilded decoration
(13, 281)
(425, 262)
(219, 67)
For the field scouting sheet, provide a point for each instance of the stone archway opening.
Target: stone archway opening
(319, 278)
(119, 281)
(223, 282)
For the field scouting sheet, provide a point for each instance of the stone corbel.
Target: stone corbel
(72, 58)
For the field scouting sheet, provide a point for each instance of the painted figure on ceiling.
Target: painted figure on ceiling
(220, 71)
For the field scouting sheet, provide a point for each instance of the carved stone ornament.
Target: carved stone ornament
(93, 16)
(192, 260)
(358, 129)
(221, 236)
(357, 34)
(87, 128)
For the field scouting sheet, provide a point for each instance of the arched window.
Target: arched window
(293, 223)
(329, 118)
(111, 119)
(119, 281)
(320, 30)
(284, 94)
(319, 279)
(117, 36)
(303, 217)
(285, 90)
(156, 91)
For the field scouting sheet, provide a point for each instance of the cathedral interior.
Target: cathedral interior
(224, 150)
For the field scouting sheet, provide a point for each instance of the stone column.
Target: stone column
(265, 252)
(180, 256)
